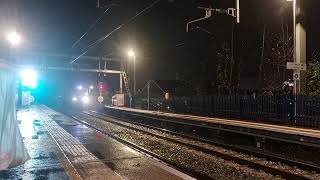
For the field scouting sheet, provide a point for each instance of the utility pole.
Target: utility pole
(148, 95)
(232, 53)
(238, 10)
(134, 75)
(120, 77)
(235, 13)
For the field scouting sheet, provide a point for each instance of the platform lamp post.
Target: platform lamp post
(299, 48)
(299, 43)
(132, 55)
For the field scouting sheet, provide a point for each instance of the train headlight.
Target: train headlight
(85, 99)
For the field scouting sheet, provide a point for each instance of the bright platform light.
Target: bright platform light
(29, 78)
(91, 87)
(131, 53)
(14, 38)
(74, 99)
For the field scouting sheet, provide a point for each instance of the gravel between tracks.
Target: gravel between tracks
(278, 165)
(215, 167)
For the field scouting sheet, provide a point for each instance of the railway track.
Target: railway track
(176, 138)
(268, 156)
(184, 169)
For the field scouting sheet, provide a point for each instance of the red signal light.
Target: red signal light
(102, 86)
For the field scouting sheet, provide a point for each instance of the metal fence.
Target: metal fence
(280, 109)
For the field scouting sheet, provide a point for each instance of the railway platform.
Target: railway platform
(62, 148)
(295, 135)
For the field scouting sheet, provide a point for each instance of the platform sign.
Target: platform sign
(27, 98)
(100, 99)
(296, 66)
(296, 76)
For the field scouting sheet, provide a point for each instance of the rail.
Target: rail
(241, 161)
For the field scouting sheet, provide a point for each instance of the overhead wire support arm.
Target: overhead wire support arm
(238, 10)
(229, 11)
(208, 15)
(234, 12)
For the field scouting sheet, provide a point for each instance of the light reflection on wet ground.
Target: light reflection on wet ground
(44, 163)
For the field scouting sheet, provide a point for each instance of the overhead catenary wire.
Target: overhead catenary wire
(98, 41)
(90, 27)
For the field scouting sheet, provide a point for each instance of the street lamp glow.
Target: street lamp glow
(79, 87)
(91, 87)
(131, 53)
(14, 38)
(74, 99)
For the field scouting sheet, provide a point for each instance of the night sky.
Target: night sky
(158, 36)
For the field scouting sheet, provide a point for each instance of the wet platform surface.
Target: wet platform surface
(44, 162)
(123, 160)
(62, 148)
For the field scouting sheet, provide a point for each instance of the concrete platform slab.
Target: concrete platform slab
(303, 136)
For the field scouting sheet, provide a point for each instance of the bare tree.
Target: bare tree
(242, 56)
(313, 75)
(277, 50)
(223, 79)
(228, 72)
(262, 53)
